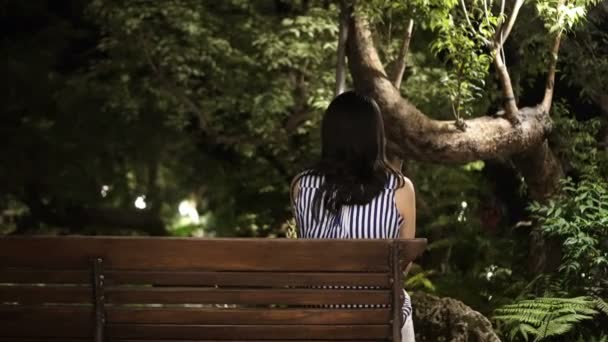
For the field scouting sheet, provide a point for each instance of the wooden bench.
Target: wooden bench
(184, 289)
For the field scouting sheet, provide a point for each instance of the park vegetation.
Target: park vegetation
(190, 118)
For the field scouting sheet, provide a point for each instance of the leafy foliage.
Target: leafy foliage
(560, 15)
(575, 142)
(219, 103)
(542, 318)
(579, 218)
(466, 51)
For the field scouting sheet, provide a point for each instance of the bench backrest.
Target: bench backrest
(154, 289)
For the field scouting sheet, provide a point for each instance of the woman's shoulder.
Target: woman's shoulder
(304, 180)
(397, 181)
(404, 186)
(308, 178)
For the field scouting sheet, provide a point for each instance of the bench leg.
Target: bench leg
(98, 299)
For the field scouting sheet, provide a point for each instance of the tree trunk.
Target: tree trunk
(602, 101)
(345, 13)
(538, 165)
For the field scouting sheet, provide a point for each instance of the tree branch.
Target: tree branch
(550, 82)
(402, 59)
(168, 86)
(502, 8)
(485, 11)
(413, 135)
(502, 32)
(473, 30)
(602, 101)
(509, 104)
(296, 119)
(345, 13)
(466, 13)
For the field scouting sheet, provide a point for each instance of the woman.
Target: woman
(352, 192)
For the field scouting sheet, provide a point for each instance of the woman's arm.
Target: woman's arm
(294, 189)
(405, 199)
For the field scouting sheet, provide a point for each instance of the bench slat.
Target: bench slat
(247, 332)
(31, 294)
(249, 279)
(196, 254)
(223, 279)
(36, 314)
(186, 295)
(48, 323)
(138, 340)
(247, 316)
(49, 339)
(44, 276)
(180, 278)
(52, 328)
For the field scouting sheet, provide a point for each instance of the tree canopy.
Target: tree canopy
(190, 118)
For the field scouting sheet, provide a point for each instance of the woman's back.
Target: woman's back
(352, 192)
(378, 219)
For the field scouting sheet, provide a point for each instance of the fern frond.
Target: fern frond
(601, 305)
(571, 318)
(545, 317)
(532, 316)
(583, 310)
(553, 329)
(520, 318)
(525, 330)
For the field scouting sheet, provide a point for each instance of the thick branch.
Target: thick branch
(602, 101)
(550, 83)
(345, 12)
(541, 170)
(413, 135)
(402, 59)
(509, 104)
(296, 119)
(502, 32)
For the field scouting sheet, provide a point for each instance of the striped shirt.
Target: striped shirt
(378, 219)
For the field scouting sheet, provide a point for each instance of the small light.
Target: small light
(188, 209)
(140, 202)
(464, 205)
(489, 275)
(104, 190)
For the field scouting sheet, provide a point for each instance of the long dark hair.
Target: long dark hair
(353, 158)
